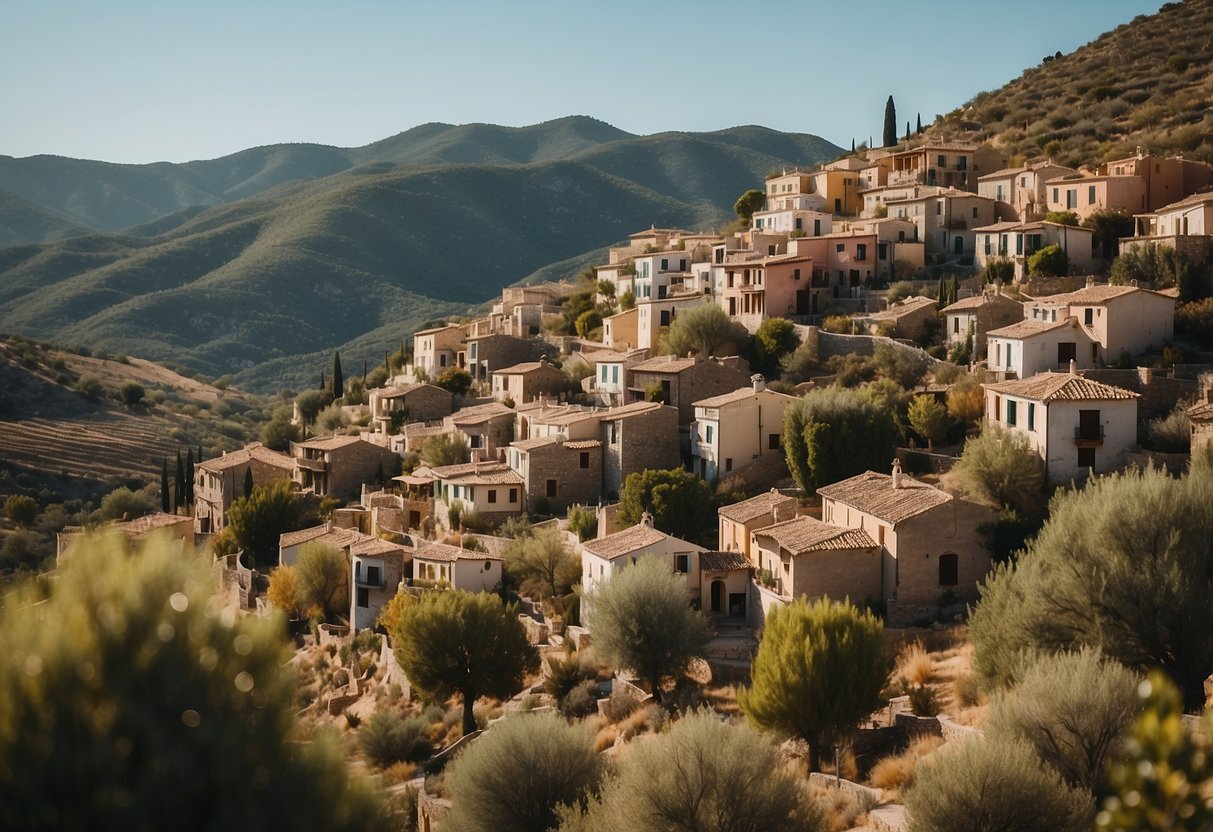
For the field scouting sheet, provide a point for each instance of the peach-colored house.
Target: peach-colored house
(619, 331)
(1017, 241)
(1022, 188)
(1085, 195)
(946, 221)
(950, 164)
(435, 350)
(769, 287)
(1117, 319)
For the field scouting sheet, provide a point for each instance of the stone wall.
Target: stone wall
(646, 440)
(830, 344)
(1159, 393)
(574, 484)
(355, 464)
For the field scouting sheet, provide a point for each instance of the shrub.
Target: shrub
(583, 522)
(389, 738)
(21, 509)
(563, 676)
(122, 503)
(580, 701)
(1050, 261)
(896, 772)
(1171, 433)
(132, 393)
(90, 387)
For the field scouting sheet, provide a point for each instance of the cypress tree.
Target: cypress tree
(387, 365)
(165, 501)
(364, 372)
(248, 481)
(338, 379)
(189, 480)
(890, 123)
(919, 122)
(852, 144)
(907, 129)
(323, 385)
(179, 483)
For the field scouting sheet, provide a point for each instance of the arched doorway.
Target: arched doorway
(717, 596)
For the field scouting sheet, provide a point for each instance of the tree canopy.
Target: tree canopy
(819, 670)
(321, 580)
(749, 202)
(680, 502)
(1124, 566)
(456, 643)
(256, 522)
(1000, 466)
(643, 621)
(130, 699)
(445, 449)
(705, 329)
(835, 433)
(1050, 261)
(541, 563)
(775, 338)
(929, 419)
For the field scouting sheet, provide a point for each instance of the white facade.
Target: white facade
(1028, 348)
(734, 430)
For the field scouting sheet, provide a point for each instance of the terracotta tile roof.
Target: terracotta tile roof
(480, 414)
(605, 357)
(1048, 387)
(478, 473)
(978, 301)
(807, 534)
(329, 443)
(581, 444)
(432, 330)
(874, 494)
(1194, 199)
(449, 554)
(755, 507)
(722, 561)
(629, 540)
(538, 442)
(523, 368)
(1092, 295)
(1029, 328)
(338, 537)
(664, 364)
(633, 409)
(903, 307)
(256, 451)
(375, 546)
(1201, 412)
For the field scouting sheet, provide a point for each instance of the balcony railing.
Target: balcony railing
(1090, 433)
(367, 581)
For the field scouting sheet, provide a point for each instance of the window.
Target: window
(584, 461)
(796, 274)
(373, 576)
(1086, 457)
(1091, 195)
(949, 570)
(1088, 316)
(513, 495)
(861, 251)
(492, 495)
(1055, 195)
(1011, 412)
(1072, 198)
(728, 464)
(707, 434)
(943, 161)
(816, 228)
(602, 373)
(882, 251)
(364, 597)
(955, 324)
(682, 563)
(1031, 416)
(551, 488)
(615, 374)
(1019, 244)
(799, 223)
(840, 248)
(974, 212)
(988, 245)
(773, 442)
(665, 317)
(665, 265)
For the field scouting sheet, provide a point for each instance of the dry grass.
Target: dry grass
(842, 808)
(915, 665)
(635, 723)
(723, 700)
(605, 738)
(894, 774)
(399, 773)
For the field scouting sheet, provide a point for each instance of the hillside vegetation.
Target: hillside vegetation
(1146, 83)
(356, 260)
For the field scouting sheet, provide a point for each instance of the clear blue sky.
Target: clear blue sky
(149, 80)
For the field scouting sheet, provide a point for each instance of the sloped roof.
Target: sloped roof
(755, 507)
(255, 451)
(480, 414)
(537, 442)
(664, 364)
(978, 301)
(1201, 412)
(903, 307)
(722, 561)
(633, 409)
(525, 368)
(404, 389)
(1048, 387)
(629, 540)
(329, 443)
(874, 494)
(338, 537)
(807, 534)
(1029, 328)
(1194, 199)
(450, 554)
(582, 444)
(1092, 295)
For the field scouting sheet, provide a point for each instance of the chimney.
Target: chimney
(897, 473)
(1073, 367)
(646, 520)
(1145, 375)
(758, 382)
(1090, 281)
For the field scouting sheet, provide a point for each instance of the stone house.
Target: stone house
(220, 480)
(377, 568)
(489, 353)
(460, 569)
(485, 427)
(437, 350)
(911, 318)
(337, 466)
(732, 430)
(558, 473)
(604, 557)
(525, 382)
(684, 381)
(978, 315)
(179, 528)
(490, 490)
(932, 549)
(1074, 424)
(1119, 320)
(738, 520)
(1017, 241)
(804, 556)
(414, 403)
(290, 543)
(636, 437)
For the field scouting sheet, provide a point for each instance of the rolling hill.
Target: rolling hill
(1146, 83)
(356, 259)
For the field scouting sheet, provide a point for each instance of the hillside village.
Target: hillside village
(685, 360)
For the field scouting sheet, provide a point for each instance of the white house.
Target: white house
(1117, 319)
(1033, 346)
(1076, 425)
(464, 569)
(490, 489)
(735, 429)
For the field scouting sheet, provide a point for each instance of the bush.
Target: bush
(1171, 433)
(132, 393)
(21, 509)
(332, 418)
(998, 465)
(584, 522)
(563, 676)
(580, 701)
(124, 504)
(390, 738)
(90, 387)
(1050, 261)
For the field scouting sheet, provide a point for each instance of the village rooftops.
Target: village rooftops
(1049, 387)
(807, 534)
(256, 451)
(874, 494)
(1028, 329)
(435, 329)
(631, 539)
(136, 528)
(903, 307)
(537, 442)
(664, 364)
(657, 231)
(722, 562)
(1194, 199)
(1091, 295)
(633, 409)
(978, 301)
(403, 390)
(329, 443)
(338, 537)
(449, 554)
(480, 414)
(1008, 172)
(478, 473)
(755, 507)
(372, 546)
(522, 369)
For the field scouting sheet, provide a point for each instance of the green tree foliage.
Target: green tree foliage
(333, 418)
(1065, 218)
(929, 419)
(21, 509)
(189, 480)
(390, 738)
(258, 521)
(179, 487)
(445, 449)
(627, 300)
(587, 322)
(1107, 227)
(835, 433)
(819, 670)
(124, 504)
(248, 482)
(456, 643)
(905, 366)
(321, 579)
(279, 432)
(131, 393)
(643, 621)
(800, 364)
(776, 338)
(541, 563)
(705, 329)
(90, 387)
(1000, 466)
(890, 124)
(1050, 261)
(989, 785)
(1195, 320)
(1163, 784)
(583, 521)
(1124, 566)
(455, 379)
(338, 377)
(128, 681)
(1000, 270)
(1163, 267)
(704, 775)
(310, 403)
(749, 202)
(515, 777)
(166, 500)
(680, 502)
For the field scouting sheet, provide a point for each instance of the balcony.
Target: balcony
(369, 581)
(1089, 434)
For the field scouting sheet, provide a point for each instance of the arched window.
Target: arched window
(949, 569)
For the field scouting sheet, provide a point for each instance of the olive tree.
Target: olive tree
(835, 433)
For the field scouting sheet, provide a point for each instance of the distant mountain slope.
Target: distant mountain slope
(357, 259)
(1144, 83)
(22, 220)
